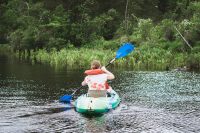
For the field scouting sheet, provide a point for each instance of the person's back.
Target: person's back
(97, 82)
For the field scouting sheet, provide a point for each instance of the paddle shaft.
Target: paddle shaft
(110, 62)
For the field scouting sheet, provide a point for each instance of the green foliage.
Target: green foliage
(193, 61)
(73, 58)
(28, 40)
(57, 43)
(5, 49)
(90, 29)
(167, 29)
(60, 32)
(143, 29)
(176, 46)
(103, 44)
(16, 39)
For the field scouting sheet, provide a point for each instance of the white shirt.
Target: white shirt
(96, 82)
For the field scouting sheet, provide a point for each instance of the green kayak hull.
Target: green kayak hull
(91, 105)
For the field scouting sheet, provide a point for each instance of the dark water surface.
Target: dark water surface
(152, 102)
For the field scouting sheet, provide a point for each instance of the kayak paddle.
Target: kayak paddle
(121, 52)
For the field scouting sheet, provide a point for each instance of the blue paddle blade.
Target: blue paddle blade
(66, 98)
(124, 50)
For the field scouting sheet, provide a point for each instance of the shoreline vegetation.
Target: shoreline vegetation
(166, 34)
(142, 58)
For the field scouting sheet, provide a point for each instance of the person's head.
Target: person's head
(95, 64)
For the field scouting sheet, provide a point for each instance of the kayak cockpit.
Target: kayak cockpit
(87, 104)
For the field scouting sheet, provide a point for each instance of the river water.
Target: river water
(152, 102)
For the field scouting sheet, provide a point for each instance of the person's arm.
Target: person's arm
(84, 82)
(110, 75)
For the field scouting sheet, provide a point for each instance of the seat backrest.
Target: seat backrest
(97, 93)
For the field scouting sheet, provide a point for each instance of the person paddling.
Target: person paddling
(96, 80)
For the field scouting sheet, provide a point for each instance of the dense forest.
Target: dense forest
(166, 33)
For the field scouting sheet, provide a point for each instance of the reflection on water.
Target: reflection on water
(152, 102)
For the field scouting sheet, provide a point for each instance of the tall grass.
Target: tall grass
(144, 57)
(139, 59)
(73, 57)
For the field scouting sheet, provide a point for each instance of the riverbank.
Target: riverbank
(142, 58)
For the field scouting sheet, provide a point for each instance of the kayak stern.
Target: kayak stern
(91, 105)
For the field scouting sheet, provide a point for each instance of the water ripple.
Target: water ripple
(152, 102)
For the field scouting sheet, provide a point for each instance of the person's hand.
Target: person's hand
(109, 74)
(103, 68)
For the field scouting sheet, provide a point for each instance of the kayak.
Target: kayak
(91, 105)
